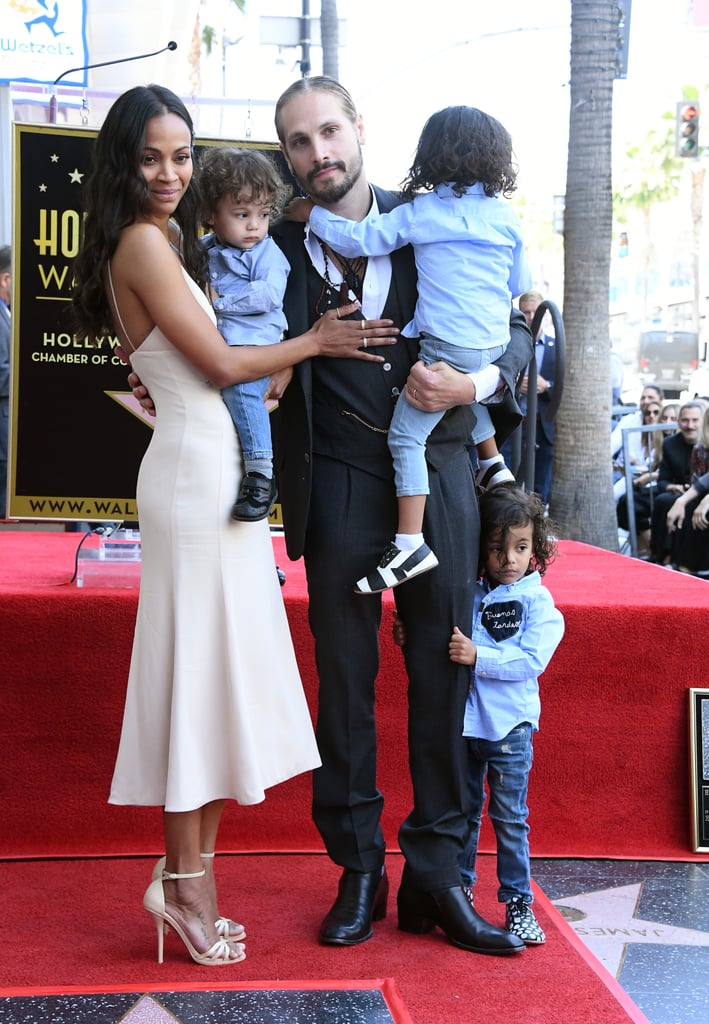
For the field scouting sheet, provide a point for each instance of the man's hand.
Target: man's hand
(438, 387)
(700, 516)
(675, 516)
(141, 393)
(543, 385)
(461, 649)
(277, 384)
(398, 631)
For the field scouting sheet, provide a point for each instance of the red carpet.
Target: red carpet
(101, 938)
(611, 761)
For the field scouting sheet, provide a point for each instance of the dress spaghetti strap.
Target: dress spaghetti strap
(118, 312)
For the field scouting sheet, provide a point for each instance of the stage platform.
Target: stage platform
(611, 773)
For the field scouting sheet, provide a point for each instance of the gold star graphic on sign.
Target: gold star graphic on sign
(75, 176)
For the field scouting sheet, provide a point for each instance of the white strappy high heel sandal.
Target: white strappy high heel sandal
(219, 953)
(227, 929)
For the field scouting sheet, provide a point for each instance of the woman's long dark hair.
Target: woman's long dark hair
(116, 193)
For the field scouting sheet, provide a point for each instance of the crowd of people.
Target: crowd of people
(668, 467)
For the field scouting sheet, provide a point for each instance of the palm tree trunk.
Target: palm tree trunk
(582, 492)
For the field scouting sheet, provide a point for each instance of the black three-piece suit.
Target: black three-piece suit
(336, 486)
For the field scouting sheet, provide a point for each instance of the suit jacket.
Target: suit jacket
(292, 422)
(4, 351)
(546, 367)
(676, 462)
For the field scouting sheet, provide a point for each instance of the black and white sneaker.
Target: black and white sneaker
(520, 921)
(395, 567)
(493, 476)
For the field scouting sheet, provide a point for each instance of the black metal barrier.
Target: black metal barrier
(526, 478)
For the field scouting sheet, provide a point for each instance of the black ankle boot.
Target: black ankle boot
(450, 909)
(361, 899)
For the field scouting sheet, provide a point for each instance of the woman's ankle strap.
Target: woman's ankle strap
(171, 876)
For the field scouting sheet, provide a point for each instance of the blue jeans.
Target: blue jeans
(410, 428)
(250, 416)
(506, 763)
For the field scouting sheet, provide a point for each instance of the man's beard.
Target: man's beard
(331, 192)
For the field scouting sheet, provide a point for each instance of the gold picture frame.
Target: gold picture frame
(699, 767)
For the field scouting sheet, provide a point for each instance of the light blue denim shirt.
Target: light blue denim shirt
(249, 284)
(469, 256)
(516, 629)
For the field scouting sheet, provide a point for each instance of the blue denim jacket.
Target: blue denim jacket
(516, 629)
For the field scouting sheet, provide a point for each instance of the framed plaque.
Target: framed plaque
(699, 768)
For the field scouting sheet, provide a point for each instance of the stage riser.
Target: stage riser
(611, 769)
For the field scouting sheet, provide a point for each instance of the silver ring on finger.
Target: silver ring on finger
(364, 342)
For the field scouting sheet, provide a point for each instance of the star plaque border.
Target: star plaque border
(699, 767)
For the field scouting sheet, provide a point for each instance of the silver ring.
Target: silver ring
(364, 342)
(364, 326)
(413, 392)
(337, 312)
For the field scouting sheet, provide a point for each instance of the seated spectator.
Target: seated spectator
(700, 452)
(650, 393)
(674, 477)
(688, 521)
(644, 480)
(669, 415)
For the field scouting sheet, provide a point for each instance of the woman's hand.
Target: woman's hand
(141, 393)
(298, 209)
(461, 649)
(700, 516)
(438, 387)
(337, 336)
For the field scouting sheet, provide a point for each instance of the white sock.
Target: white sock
(486, 463)
(408, 541)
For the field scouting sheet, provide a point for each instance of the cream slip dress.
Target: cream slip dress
(215, 707)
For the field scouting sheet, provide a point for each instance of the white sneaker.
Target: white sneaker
(496, 474)
(395, 567)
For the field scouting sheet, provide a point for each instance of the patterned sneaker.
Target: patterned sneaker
(397, 566)
(497, 473)
(520, 921)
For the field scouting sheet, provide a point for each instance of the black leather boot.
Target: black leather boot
(450, 909)
(361, 899)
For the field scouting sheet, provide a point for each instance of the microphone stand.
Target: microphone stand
(172, 45)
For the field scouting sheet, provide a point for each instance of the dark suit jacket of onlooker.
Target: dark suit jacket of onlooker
(676, 462)
(546, 368)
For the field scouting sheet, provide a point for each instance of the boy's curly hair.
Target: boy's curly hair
(248, 173)
(508, 506)
(462, 145)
